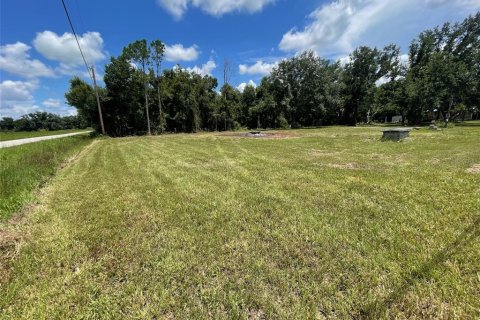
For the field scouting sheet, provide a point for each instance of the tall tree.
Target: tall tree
(365, 68)
(81, 95)
(158, 48)
(248, 100)
(307, 89)
(230, 106)
(139, 53)
(123, 110)
(445, 68)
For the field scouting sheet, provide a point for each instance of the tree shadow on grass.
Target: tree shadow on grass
(377, 309)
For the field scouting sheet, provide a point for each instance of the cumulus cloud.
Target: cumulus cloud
(18, 109)
(16, 98)
(344, 60)
(15, 59)
(340, 25)
(51, 103)
(217, 8)
(17, 90)
(404, 60)
(178, 52)
(241, 87)
(205, 70)
(64, 48)
(58, 107)
(260, 68)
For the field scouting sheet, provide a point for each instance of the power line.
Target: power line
(76, 38)
(91, 75)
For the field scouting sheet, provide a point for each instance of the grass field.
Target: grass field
(24, 168)
(13, 135)
(321, 223)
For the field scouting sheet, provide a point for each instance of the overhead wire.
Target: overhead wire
(76, 39)
(92, 74)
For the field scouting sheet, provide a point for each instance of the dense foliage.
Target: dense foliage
(440, 80)
(42, 121)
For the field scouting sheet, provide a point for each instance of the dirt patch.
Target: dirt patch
(259, 135)
(475, 169)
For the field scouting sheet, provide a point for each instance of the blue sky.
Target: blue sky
(38, 54)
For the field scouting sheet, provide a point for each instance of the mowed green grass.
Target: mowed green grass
(26, 167)
(14, 135)
(327, 223)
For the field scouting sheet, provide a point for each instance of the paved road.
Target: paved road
(17, 142)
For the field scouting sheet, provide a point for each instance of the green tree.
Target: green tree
(445, 69)
(7, 123)
(123, 113)
(81, 95)
(230, 105)
(365, 68)
(157, 49)
(248, 100)
(307, 89)
(139, 53)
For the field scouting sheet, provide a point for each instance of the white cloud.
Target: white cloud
(340, 25)
(14, 59)
(337, 24)
(404, 60)
(217, 8)
(205, 69)
(16, 98)
(64, 48)
(51, 103)
(18, 109)
(241, 87)
(260, 67)
(17, 90)
(178, 52)
(344, 60)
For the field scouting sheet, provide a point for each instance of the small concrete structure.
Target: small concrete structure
(396, 134)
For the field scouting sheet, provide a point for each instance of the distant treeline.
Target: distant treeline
(42, 121)
(440, 79)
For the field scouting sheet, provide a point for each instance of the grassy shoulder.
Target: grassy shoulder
(24, 168)
(14, 135)
(319, 223)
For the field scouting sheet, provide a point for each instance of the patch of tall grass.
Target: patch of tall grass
(25, 168)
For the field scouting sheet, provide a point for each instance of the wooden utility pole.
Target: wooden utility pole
(98, 100)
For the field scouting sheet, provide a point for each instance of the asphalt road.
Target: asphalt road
(17, 142)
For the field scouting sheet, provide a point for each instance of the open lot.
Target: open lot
(320, 223)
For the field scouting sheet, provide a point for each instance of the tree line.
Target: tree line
(42, 121)
(440, 79)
